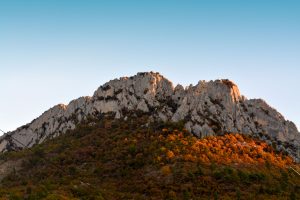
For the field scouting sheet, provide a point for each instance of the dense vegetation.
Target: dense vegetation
(132, 159)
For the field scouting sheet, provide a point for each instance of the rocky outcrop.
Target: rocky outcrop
(208, 108)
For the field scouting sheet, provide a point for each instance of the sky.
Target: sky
(53, 51)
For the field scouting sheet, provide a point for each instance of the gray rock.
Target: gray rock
(208, 108)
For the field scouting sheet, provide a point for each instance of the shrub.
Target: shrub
(132, 149)
(166, 170)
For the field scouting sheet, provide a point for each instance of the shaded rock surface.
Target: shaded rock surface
(208, 108)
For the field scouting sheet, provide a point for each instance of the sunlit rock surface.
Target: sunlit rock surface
(208, 108)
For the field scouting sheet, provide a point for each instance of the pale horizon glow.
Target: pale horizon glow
(55, 51)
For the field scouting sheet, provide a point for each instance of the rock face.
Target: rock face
(208, 108)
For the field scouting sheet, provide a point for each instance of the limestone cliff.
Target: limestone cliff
(208, 108)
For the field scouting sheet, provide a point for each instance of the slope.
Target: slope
(207, 109)
(134, 158)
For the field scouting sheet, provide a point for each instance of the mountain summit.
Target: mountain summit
(206, 109)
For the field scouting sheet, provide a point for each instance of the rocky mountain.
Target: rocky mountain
(208, 108)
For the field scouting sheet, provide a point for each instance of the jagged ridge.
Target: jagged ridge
(208, 108)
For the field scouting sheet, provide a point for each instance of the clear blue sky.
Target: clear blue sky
(52, 51)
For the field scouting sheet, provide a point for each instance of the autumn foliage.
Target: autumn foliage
(135, 159)
(226, 149)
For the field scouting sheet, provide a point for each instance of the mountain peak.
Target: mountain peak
(208, 108)
(235, 92)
